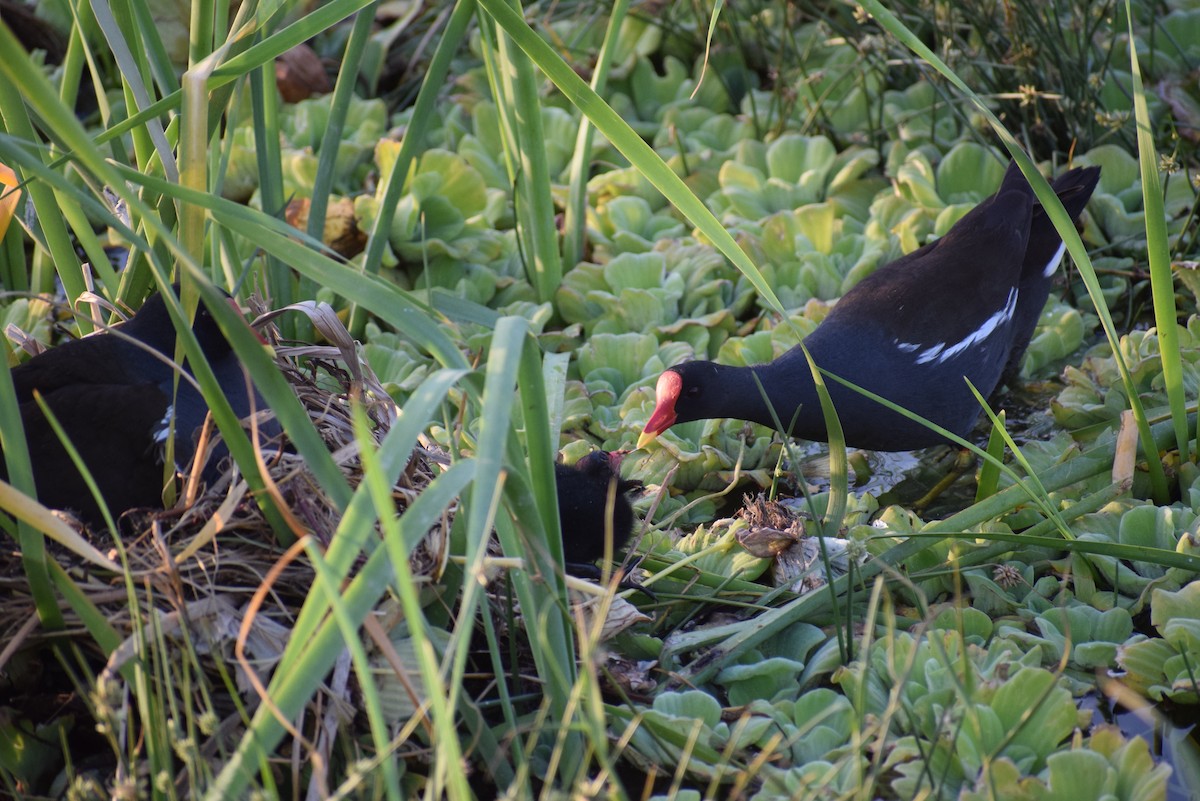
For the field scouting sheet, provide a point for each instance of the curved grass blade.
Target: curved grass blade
(989, 473)
(356, 530)
(515, 362)
(343, 93)
(309, 659)
(393, 180)
(57, 238)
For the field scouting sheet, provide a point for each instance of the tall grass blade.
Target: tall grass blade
(343, 93)
(989, 472)
(132, 69)
(575, 216)
(263, 53)
(55, 237)
(329, 581)
(393, 181)
(265, 112)
(514, 88)
(1162, 281)
(308, 659)
(509, 366)
(34, 559)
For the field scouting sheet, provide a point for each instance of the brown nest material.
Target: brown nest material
(204, 560)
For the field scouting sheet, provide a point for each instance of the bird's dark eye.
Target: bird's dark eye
(693, 392)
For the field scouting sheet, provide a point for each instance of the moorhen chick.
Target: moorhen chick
(583, 493)
(961, 307)
(583, 498)
(113, 399)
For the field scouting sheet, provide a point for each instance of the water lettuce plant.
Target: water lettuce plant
(522, 279)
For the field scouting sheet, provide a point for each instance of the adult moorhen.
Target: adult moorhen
(583, 497)
(113, 398)
(961, 307)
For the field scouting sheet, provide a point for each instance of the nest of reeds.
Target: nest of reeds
(213, 564)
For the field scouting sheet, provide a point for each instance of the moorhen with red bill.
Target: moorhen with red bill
(961, 307)
(113, 399)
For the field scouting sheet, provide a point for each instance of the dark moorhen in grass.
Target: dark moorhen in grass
(113, 398)
(583, 498)
(961, 307)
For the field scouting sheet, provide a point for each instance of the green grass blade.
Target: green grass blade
(94, 620)
(57, 238)
(343, 93)
(356, 531)
(507, 367)
(271, 384)
(19, 470)
(132, 69)
(1162, 280)
(382, 298)
(540, 440)
(440, 698)
(193, 158)
(265, 111)
(554, 378)
(575, 216)
(391, 304)
(258, 55)
(839, 488)
(328, 581)
(315, 641)
(626, 140)
(518, 107)
(989, 472)
(392, 182)
(1090, 463)
(394, 455)
(313, 657)
(1116, 550)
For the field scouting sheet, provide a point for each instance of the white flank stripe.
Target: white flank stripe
(164, 426)
(941, 351)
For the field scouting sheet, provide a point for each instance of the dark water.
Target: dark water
(1171, 732)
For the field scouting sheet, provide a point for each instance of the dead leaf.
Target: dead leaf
(299, 74)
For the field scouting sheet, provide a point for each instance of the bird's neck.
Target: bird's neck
(767, 392)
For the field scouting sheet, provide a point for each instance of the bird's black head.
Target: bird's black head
(605, 466)
(597, 464)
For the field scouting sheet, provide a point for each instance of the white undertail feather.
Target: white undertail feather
(1052, 265)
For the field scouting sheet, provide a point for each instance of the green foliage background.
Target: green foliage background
(548, 206)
